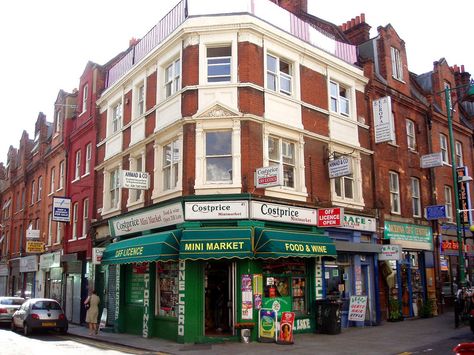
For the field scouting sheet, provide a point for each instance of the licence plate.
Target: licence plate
(48, 324)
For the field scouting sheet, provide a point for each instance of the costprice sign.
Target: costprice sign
(330, 217)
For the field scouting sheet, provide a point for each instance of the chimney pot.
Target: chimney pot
(462, 68)
(357, 20)
(352, 22)
(362, 17)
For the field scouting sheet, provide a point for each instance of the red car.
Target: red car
(464, 349)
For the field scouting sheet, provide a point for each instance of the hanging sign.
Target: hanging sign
(34, 246)
(357, 308)
(330, 217)
(269, 176)
(97, 255)
(266, 325)
(32, 234)
(61, 209)
(390, 252)
(340, 167)
(285, 334)
(382, 109)
(432, 160)
(139, 180)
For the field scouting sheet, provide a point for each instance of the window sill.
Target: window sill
(398, 79)
(59, 189)
(111, 212)
(76, 179)
(86, 174)
(57, 243)
(82, 238)
(164, 195)
(72, 240)
(134, 204)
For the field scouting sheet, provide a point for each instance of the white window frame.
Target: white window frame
(116, 117)
(342, 181)
(75, 213)
(443, 145)
(112, 189)
(411, 134)
(77, 169)
(85, 96)
(33, 193)
(448, 201)
(202, 186)
(137, 163)
(58, 121)
(458, 152)
(159, 190)
(171, 169)
(52, 180)
(140, 99)
(61, 175)
(284, 145)
(40, 187)
(87, 167)
(397, 65)
(338, 101)
(58, 232)
(172, 75)
(50, 229)
(394, 188)
(220, 61)
(85, 217)
(277, 76)
(415, 196)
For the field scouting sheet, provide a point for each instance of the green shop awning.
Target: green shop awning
(274, 243)
(153, 247)
(216, 243)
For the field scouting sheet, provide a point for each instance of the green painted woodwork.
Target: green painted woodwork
(276, 243)
(152, 247)
(216, 243)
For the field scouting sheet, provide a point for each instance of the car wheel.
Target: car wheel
(26, 329)
(63, 330)
(12, 326)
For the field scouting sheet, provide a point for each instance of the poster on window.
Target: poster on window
(357, 308)
(247, 301)
(285, 334)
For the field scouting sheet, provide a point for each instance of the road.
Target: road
(442, 346)
(54, 344)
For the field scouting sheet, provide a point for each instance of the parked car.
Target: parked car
(8, 306)
(39, 313)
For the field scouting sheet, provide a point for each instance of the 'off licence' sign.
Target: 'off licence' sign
(268, 176)
(330, 217)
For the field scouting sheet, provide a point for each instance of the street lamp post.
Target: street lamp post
(469, 97)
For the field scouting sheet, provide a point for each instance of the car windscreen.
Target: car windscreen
(12, 302)
(47, 305)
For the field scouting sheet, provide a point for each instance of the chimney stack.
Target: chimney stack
(296, 7)
(356, 30)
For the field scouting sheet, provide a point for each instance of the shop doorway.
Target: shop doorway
(218, 288)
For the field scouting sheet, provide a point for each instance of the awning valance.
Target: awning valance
(275, 243)
(216, 243)
(154, 247)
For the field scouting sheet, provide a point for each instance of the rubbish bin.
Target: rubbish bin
(245, 335)
(328, 316)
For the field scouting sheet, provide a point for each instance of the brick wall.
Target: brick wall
(250, 63)
(189, 161)
(251, 141)
(314, 90)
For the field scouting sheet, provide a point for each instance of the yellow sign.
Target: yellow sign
(34, 247)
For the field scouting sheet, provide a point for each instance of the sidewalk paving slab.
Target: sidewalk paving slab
(388, 338)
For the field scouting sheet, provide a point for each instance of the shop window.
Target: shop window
(337, 279)
(135, 284)
(166, 289)
(287, 279)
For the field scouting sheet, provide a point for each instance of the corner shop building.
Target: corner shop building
(199, 280)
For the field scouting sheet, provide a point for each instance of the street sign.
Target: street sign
(435, 212)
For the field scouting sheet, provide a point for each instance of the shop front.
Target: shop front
(208, 278)
(355, 270)
(449, 264)
(50, 267)
(413, 273)
(28, 269)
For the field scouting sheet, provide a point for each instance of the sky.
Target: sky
(47, 44)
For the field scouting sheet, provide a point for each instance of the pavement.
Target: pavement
(388, 338)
